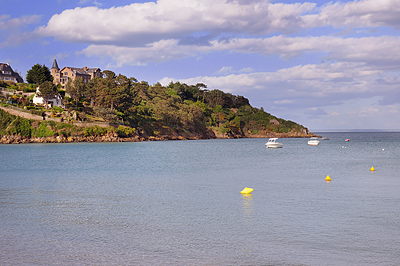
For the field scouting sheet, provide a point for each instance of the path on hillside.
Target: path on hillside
(21, 113)
(26, 115)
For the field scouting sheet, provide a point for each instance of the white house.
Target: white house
(56, 101)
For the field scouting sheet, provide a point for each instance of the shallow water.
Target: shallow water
(179, 202)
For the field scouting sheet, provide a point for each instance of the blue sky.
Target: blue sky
(325, 65)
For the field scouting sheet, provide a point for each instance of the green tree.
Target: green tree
(75, 88)
(39, 74)
(47, 90)
(123, 97)
(106, 93)
(91, 90)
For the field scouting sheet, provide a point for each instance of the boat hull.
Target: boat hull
(274, 146)
(272, 143)
(314, 141)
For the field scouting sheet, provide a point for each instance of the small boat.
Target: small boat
(347, 140)
(325, 138)
(313, 141)
(272, 143)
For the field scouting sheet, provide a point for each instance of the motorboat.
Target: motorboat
(272, 143)
(314, 141)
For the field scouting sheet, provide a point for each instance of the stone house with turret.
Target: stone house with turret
(61, 76)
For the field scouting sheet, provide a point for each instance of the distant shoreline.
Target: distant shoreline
(355, 130)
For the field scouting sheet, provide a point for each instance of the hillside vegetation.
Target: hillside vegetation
(142, 111)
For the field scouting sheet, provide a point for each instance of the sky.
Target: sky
(325, 65)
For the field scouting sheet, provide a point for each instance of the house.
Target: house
(56, 101)
(8, 74)
(71, 73)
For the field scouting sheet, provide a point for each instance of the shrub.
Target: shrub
(94, 131)
(124, 132)
(57, 109)
(44, 131)
(21, 127)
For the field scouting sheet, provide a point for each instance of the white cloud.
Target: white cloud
(225, 70)
(7, 23)
(157, 52)
(374, 50)
(141, 23)
(246, 70)
(85, 2)
(376, 53)
(343, 71)
(364, 13)
(308, 86)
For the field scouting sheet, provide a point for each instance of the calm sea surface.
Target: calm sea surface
(179, 202)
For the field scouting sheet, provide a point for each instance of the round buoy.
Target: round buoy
(246, 190)
(372, 169)
(328, 178)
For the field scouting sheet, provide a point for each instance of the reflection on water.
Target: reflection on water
(247, 200)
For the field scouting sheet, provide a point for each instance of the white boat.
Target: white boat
(272, 143)
(314, 141)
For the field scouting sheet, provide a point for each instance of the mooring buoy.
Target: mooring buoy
(246, 190)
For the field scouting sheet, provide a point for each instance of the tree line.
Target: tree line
(155, 109)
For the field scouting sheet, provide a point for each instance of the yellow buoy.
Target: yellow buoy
(372, 169)
(328, 178)
(246, 190)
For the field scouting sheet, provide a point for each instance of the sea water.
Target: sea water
(179, 202)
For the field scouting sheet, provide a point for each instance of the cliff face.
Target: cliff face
(265, 134)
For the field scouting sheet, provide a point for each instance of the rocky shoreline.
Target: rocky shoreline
(113, 137)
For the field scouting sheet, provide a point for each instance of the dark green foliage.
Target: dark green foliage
(143, 109)
(57, 109)
(75, 88)
(94, 131)
(124, 132)
(20, 127)
(47, 90)
(25, 87)
(15, 125)
(5, 120)
(105, 113)
(43, 131)
(39, 74)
